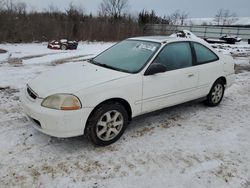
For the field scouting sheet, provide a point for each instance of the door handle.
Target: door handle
(190, 75)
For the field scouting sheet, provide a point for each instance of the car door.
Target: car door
(176, 85)
(209, 67)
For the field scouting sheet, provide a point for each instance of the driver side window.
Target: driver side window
(175, 56)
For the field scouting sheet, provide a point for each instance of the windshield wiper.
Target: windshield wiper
(105, 65)
(91, 60)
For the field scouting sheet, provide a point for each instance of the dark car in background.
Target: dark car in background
(63, 44)
(225, 39)
(230, 39)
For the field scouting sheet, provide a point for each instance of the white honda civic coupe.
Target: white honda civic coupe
(100, 97)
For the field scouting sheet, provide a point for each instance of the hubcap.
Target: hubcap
(217, 93)
(109, 125)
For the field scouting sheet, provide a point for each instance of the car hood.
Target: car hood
(72, 77)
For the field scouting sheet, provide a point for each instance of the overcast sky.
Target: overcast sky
(195, 8)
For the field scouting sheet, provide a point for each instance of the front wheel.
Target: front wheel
(107, 124)
(216, 93)
(63, 47)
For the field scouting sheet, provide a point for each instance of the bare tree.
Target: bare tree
(13, 6)
(113, 8)
(225, 17)
(178, 17)
(51, 9)
(226, 14)
(174, 17)
(9, 5)
(218, 17)
(19, 25)
(1, 5)
(183, 17)
(20, 8)
(229, 17)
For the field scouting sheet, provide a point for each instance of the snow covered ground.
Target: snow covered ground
(24, 61)
(188, 145)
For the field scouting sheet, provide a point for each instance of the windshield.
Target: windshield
(128, 56)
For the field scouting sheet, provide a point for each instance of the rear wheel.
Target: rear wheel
(216, 93)
(107, 124)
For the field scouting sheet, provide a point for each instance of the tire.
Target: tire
(107, 124)
(63, 47)
(216, 93)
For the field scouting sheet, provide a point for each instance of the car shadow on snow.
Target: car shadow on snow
(164, 118)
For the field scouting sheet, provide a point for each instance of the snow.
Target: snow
(187, 34)
(23, 62)
(32, 53)
(188, 145)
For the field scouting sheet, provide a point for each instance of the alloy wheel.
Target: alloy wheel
(109, 125)
(217, 93)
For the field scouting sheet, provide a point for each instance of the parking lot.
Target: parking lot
(189, 145)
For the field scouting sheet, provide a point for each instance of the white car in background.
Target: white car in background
(100, 97)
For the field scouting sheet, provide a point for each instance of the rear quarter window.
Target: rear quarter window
(203, 54)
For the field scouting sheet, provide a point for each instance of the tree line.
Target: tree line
(113, 22)
(19, 25)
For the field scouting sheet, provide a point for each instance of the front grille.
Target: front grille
(31, 93)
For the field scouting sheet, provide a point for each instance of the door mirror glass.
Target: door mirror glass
(155, 68)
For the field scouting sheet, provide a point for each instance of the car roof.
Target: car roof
(160, 39)
(184, 35)
(168, 39)
(173, 38)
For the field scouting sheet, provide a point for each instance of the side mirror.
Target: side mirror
(155, 68)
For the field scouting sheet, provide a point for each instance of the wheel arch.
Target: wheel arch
(208, 98)
(223, 78)
(121, 101)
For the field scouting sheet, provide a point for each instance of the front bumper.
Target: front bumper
(54, 47)
(52, 122)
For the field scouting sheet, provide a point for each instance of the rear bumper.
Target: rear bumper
(52, 122)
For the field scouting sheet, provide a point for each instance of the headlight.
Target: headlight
(62, 102)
